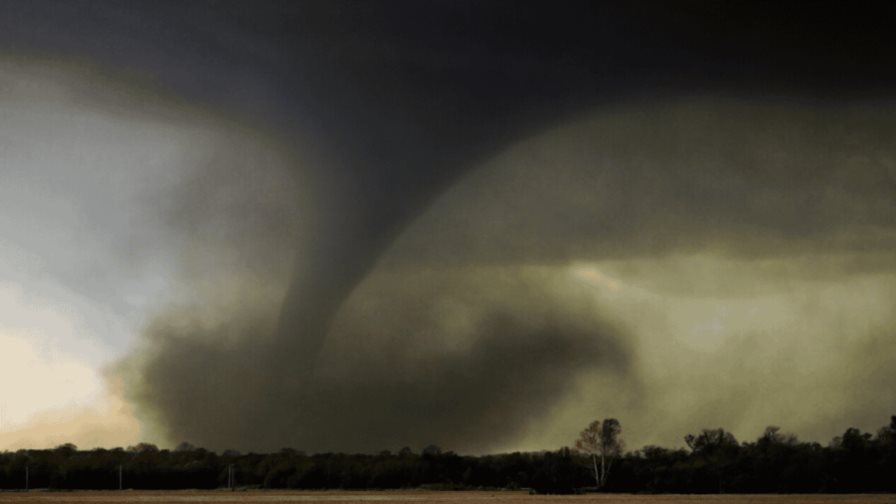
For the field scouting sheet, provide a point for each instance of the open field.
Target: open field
(161, 497)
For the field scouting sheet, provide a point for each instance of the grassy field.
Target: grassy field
(418, 496)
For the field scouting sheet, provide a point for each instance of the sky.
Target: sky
(360, 226)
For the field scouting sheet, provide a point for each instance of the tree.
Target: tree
(601, 439)
(431, 451)
(184, 447)
(886, 436)
(711, 441)
(718, 449)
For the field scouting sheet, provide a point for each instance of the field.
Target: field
(160, 497)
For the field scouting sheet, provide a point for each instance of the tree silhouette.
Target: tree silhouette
(855, 462)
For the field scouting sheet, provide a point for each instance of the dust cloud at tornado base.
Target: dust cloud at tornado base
(678, 265)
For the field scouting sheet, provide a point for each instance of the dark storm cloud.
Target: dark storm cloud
(745, 178)
(400, 99)
(466, 360)
(437, 334)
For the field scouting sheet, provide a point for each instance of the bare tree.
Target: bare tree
(601, 439)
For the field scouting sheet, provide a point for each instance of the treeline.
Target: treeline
(713, 462)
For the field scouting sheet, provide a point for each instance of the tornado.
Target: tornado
(394, 105)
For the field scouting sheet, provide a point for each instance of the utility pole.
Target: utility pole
(120, 485)
(26, 477)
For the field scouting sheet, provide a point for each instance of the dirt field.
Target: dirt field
(416, 496)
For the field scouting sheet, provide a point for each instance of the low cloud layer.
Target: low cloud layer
(464, 359)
